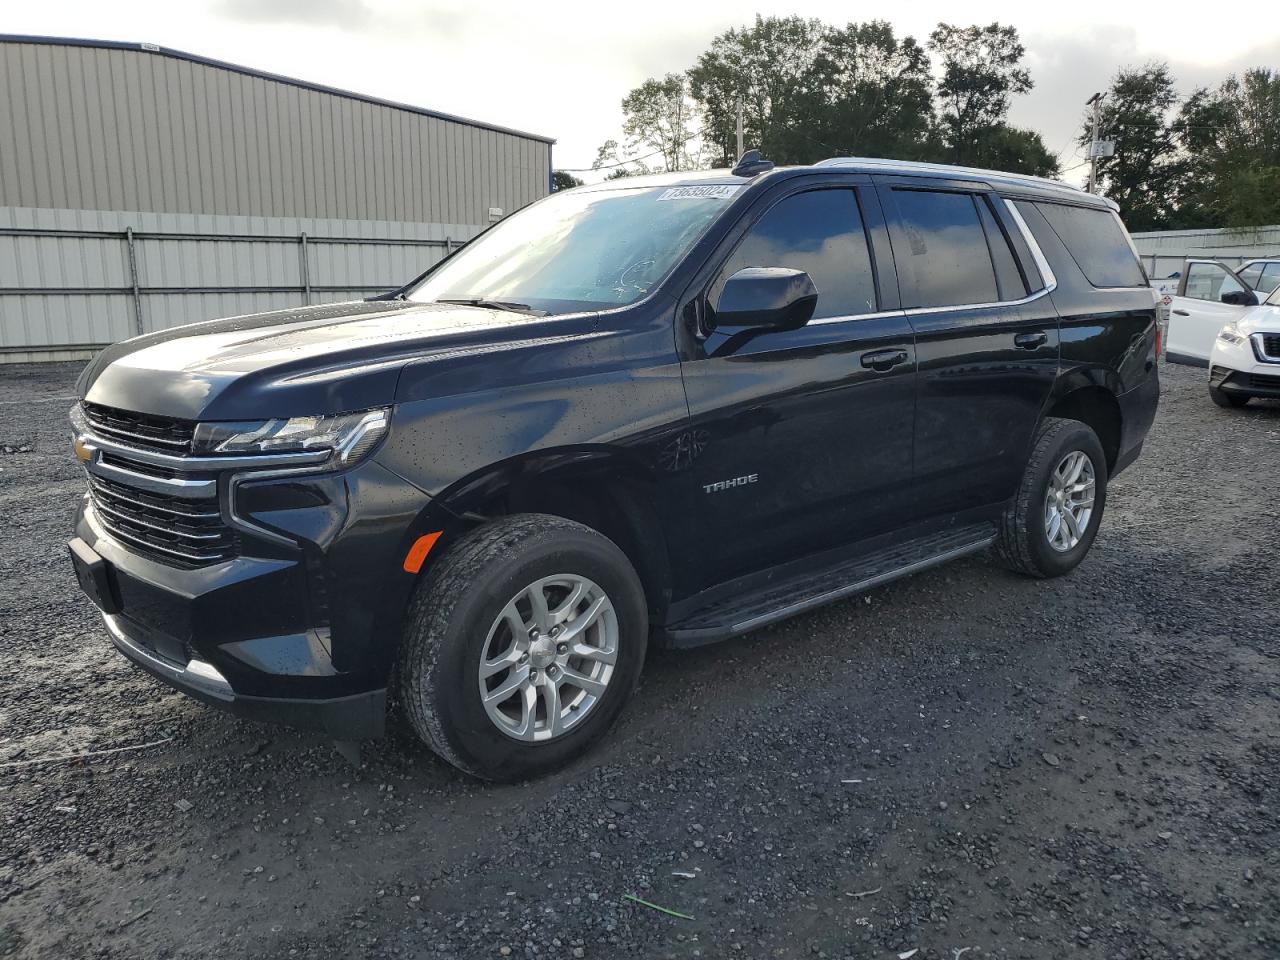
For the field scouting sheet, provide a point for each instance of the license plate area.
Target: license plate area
(95, 576)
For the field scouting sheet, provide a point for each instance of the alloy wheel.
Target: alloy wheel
(548, 657)
(1068, 503)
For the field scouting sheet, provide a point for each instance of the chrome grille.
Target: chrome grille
(1270, 345)
(172, 529)
(165, 434)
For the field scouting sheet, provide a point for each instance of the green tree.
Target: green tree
(609, 157)
(770, 67)
(1017, 150)
(981, 70)
(560, 180)
(1145, 174)
(871, 94)
(659, 118)
(1230, 138)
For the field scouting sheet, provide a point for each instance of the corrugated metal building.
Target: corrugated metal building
(1163, 251)
(142, 187)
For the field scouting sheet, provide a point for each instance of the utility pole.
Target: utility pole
(740, 148)
(1096, 102)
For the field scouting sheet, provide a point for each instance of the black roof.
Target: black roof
(262, 74)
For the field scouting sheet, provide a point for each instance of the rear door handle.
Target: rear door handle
(883, 359)
(1182, 313)
(1029, 341)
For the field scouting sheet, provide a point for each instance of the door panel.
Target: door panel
(824, 442)
(984, 375)
(985, 368)
(805, 436)
(1197, 313)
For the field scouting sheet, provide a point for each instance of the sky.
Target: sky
(561, 69)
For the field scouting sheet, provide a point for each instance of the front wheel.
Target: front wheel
(523, 644)
(1053, 519)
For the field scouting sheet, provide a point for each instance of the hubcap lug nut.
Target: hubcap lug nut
(562, 648)
(533, 674)
(551, 671)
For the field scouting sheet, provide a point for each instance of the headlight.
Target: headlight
(1229, 334)
(351, 435)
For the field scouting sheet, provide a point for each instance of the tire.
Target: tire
(1224, 399)
(1023, 543)
(461, 612)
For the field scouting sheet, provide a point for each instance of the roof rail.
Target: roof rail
(909, 166)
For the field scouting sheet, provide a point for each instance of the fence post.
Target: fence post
(305, 268)
(133, 280)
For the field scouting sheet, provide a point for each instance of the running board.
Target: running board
(798, 594)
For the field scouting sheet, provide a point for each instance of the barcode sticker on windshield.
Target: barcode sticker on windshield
(713, 191)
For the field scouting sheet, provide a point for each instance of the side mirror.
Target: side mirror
(773, 297)
(1241, 298)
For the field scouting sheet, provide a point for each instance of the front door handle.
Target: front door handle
(1029, 341)
(883, 359)
(1181, 313)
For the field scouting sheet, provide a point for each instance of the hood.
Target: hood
(311, 360)
(1262, 319)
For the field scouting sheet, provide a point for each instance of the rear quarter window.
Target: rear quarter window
(1097, 242)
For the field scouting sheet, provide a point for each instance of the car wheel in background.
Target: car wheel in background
(522, 645)
(1053, 519)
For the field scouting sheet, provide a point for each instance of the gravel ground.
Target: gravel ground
(966, 763)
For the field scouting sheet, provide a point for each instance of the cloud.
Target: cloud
(344, 14)
(1068, 69)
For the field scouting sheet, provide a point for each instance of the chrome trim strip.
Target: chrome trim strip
(119, 534)
(1260, 347)
(171, 486)
(1042, 262)
(102, 488)
(104, 428)
(916, 311)
(175, 531)
(857, 316)
(197, 673)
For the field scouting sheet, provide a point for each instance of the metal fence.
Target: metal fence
(135, 272)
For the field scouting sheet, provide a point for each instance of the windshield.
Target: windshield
(579, 250)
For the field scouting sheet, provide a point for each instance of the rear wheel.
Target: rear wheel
(522, 646)
(1053, 520)
(1224, 399)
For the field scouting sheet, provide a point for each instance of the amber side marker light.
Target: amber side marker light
(417, 555)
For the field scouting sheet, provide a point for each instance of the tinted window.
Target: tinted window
(821, 233)
(939, 243)
(1008, 277)
(1097, 242)
(1209, 281)
(1269, 280)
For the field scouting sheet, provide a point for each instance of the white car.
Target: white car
(1245, 359)
(1210, 296)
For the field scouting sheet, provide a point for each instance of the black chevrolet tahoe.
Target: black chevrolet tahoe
(659, 410)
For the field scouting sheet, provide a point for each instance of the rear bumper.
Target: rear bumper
(354, 717)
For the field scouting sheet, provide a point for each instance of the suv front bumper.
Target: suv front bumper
(1243, 370)
(299, 627)
(354, 717)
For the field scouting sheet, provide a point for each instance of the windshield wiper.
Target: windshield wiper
(494, 304)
